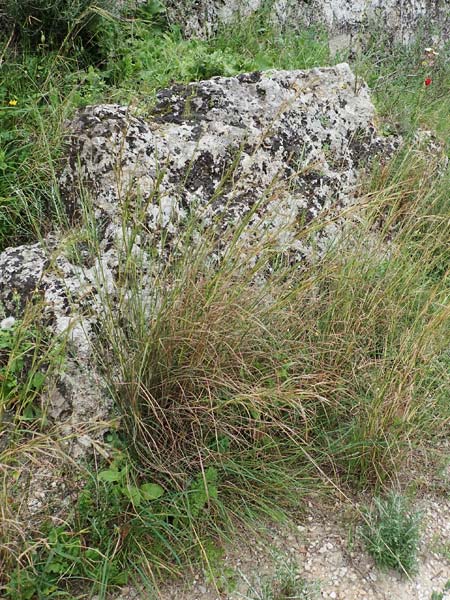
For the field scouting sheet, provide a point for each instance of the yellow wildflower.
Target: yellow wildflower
(12, 102)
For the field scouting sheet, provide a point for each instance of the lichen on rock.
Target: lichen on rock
(216, 148)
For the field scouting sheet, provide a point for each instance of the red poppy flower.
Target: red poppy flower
(428, 81)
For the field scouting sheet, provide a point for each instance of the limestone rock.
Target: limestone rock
(277, 148)
(40, 274)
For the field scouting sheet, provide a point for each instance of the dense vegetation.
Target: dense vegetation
(267, 402)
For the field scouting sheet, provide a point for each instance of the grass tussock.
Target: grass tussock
(238, 398)
(330, 360)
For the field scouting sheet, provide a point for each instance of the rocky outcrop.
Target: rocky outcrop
(345, 20)
(276, 148)
(265, 153)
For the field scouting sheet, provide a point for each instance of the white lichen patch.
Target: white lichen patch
(7, 323)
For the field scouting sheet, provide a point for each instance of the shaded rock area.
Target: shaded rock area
(345, 20)
(275, 150)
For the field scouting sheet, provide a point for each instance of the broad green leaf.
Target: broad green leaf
(92, 554)
(56, 567)
(38, 380)
(49, 589)
(120, 578)
(151, 491)
(213, 492)
(16, 365)
(109, 475)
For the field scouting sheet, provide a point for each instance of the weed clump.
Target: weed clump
(391, 534)
(285, 584)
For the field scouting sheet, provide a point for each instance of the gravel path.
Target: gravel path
(323, 550)
(327, 552)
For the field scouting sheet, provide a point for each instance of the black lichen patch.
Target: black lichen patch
(212, 176)
(21, 283)
(232, 208)
(254, 77)
(170, 104)
(365, 146)
(317, 188)
(262, 92)
(205, 173)
(361, 147)
(289, 143)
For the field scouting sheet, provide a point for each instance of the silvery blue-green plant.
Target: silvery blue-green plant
(392, 533)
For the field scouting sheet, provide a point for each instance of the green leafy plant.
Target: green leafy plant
(216, 570)
(202, 491)
(61, 555)
(441, 595)
(118, 476)
(392, 533)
